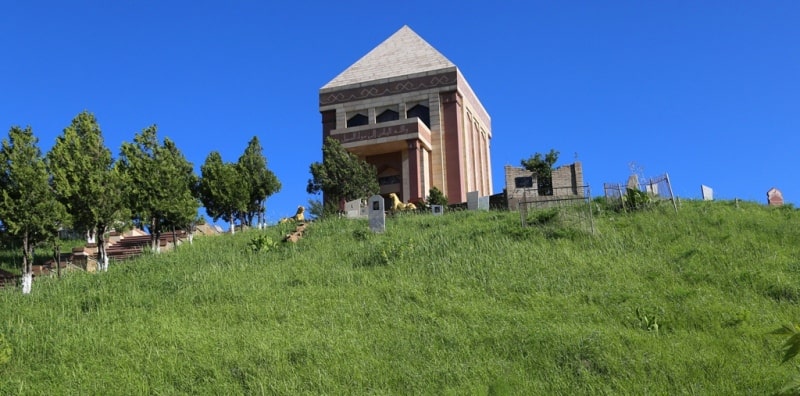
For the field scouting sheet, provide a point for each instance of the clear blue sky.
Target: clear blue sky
(708, 91)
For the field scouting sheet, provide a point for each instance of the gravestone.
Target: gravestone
(472, 200)
(483, 203)
(377, 214)
(774, 197)
(633, 182)
(352, 209)
(437, 210)
(708, 193)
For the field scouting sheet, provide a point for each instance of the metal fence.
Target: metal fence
(657, 188)
(572, 204)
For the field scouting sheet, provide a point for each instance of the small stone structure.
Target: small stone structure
(355, 209)
(377, 213)
(567, 181)
(707, 192)
(774, 197)
(437, 210)
(297, 234)
(472, 200)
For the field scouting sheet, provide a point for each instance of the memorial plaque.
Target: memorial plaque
(483, 203)
(437, 210)
(708, 193)
(774, 197)
(377, 214)
(472, 200)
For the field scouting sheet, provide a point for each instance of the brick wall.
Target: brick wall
(567, 181)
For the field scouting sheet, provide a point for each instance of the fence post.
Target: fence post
(671, 195)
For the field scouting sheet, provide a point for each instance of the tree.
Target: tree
(222, 189)
(160, 181)
(542, 167)
(436, 197)
(28, 209)
(341, 175)
(261, 182)
(86, 181)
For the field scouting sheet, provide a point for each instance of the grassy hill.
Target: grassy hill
(469, 303)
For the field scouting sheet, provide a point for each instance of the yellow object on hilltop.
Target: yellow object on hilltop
(398, 205)
(298, 217)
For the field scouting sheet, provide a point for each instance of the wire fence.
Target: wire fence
(656, 188)
(571, 204)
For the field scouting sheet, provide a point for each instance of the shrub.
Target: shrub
(262, 243)
(436, 197)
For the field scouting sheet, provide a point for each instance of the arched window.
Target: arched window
(388, 115)
(356, 120)
(422, 112)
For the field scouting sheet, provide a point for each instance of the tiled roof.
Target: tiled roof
(403, 53)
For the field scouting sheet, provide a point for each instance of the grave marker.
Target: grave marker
(708, 193)
(437, 210)
(483, 203)
(472, 200)
(774, 197)
(377, 214)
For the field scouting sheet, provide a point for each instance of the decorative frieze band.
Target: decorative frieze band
(389, 88)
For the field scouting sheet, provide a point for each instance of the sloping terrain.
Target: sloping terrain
(652, 302)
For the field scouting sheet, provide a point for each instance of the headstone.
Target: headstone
(437, 210)
(483, 203)
(651, 188)
(352, 209)
(774, 197)
(377, 214)
(633, 182)
(708, 193)
(472, 200)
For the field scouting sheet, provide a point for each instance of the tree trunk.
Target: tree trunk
(101, 250)
(155, 235)
(57, 258)
(174, 239)
(27, 266)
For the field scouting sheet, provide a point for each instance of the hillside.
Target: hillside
(468, 303)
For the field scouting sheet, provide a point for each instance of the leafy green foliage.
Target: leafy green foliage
(790, 348)
(342, 175)
(85, 179)
(792, 345)
(261, 182)
(542, 167)
(262, 243)
(160, 181)
(222, 189)
(636, 199)
(436, 197)
(29, 210)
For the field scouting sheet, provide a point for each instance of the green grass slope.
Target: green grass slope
(468, 303)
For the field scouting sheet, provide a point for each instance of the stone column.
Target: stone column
(413, 170)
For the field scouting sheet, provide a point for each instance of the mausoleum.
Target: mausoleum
(406, 109)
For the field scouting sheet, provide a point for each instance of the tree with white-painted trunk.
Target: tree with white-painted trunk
(261, 183)
(86, 181)
(159, 183)
(29, 209)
